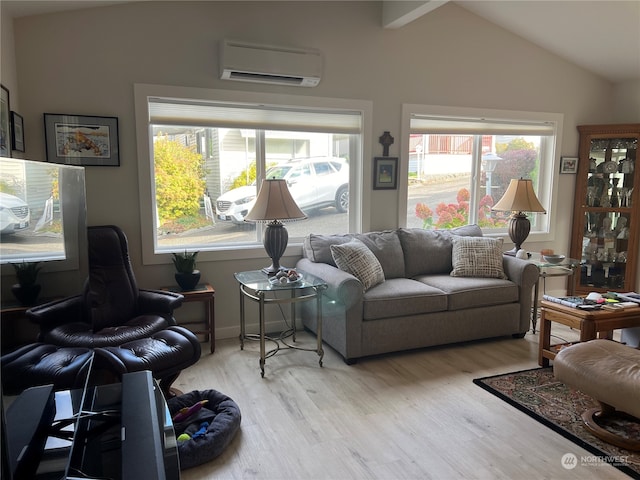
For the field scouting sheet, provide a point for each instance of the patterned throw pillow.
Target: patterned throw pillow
(354, 257)
(477, 257)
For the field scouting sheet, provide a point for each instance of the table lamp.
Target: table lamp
(519, 198)
(274, 204)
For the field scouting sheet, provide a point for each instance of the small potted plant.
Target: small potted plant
(186, 274)
(26, 290)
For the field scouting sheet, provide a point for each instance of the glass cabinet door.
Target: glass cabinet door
(605, 229)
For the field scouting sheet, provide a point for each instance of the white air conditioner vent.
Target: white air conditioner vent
(248, 62)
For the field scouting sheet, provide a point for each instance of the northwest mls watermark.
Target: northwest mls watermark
(570, 461)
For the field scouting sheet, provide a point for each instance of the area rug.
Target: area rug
(537, 393)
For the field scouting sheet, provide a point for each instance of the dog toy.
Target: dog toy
(202, 431)
(186, 412)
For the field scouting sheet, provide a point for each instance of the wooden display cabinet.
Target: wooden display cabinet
(606, 216)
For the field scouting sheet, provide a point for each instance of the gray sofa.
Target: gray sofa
(419, 304)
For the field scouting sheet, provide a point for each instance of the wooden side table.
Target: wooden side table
(16, 329)
(204, 293)
(591, 324)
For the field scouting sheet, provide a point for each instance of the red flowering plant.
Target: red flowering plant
(456, 215)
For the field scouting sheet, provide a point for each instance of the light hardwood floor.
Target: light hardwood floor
(413, 415)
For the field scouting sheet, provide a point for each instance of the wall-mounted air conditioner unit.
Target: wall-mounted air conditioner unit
(249, 62)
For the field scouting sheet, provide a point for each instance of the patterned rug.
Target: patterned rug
(538, 394)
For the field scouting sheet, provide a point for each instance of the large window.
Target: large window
(207, 157)
(459, 165)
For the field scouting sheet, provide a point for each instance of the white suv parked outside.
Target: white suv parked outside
(14, 214)
(314, 183)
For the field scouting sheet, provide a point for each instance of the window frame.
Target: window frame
(549, 161)
(359, 210)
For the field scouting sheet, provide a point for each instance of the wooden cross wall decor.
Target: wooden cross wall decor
(386, 140)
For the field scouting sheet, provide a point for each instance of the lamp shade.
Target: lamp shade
(519, 197)
(274, 202)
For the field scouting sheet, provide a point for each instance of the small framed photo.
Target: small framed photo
(385, 173)
(81, 140)
(17, 132)
(568, 165)
(5, 123)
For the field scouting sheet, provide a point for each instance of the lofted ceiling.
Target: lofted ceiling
(600, 36)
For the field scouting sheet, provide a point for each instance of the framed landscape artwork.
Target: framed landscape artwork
(81, 140)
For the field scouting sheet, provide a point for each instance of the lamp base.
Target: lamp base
(519, 228)
(271, 270)
(275, 243)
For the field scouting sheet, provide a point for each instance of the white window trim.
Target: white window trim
(358, 218)
(548, 173)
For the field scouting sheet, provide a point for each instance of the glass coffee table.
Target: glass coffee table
(255, 285)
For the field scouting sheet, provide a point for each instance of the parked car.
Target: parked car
(14, 214)
(314, 183)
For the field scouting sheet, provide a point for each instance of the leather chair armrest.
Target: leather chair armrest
(51, 314)
(158, 301)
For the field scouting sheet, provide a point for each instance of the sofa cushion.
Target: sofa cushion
(355, 258)
(400, 297)
(471, 292)
(317, 248)
(385, 245)
(477, 257)
(387, 248)
(429, 251)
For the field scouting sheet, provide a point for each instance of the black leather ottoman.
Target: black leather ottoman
(43, 364)
(165, 353)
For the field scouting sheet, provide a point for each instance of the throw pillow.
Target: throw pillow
(354, 257)
(477, 257)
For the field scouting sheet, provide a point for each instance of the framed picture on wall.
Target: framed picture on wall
(5, 123)
(568, 165)
(81, 140)
(17, 132)
(385, 173)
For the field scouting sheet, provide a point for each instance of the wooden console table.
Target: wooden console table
(204, 293)
(590, 323)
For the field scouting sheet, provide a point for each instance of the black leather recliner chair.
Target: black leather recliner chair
(112, 310)
(121, 327)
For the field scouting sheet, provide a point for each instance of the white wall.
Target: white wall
(626, 102)
(86, 62)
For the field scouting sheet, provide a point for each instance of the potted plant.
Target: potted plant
(186, 274)
(26, 290)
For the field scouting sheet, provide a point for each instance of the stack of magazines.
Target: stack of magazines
(629, 297)
(576, 302)
(614, 301)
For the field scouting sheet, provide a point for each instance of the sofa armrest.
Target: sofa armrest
(521, 272)
(524, 274)
(341, 286)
